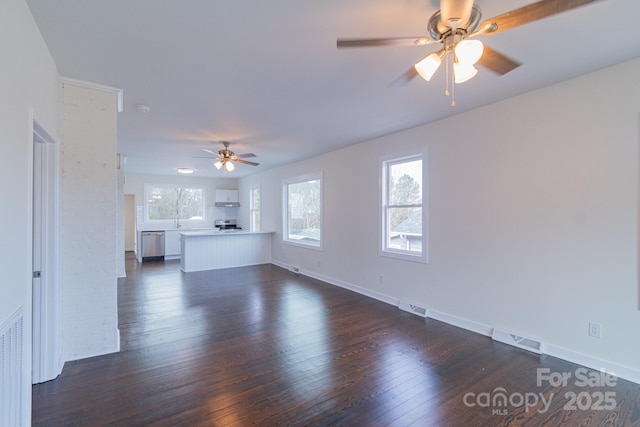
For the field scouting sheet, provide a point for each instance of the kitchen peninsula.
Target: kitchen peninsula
(210, 250)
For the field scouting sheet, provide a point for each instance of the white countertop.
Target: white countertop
(176, 229)
(221, 233)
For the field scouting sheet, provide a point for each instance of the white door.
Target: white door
(47, 355)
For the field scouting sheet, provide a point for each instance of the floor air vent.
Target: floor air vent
(414, 309)
(517, 341)
(12, 370)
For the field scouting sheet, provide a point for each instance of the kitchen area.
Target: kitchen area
(166, 244)
(193, 220)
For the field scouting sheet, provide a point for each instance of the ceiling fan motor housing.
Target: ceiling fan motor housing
(438, 29)
(455, 12)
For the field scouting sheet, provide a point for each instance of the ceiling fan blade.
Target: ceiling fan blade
(242, 156)
(497, 62)
(204, 157)
(392, 41)
(404, 78)
(246, 162)
(532, 12)
(209, 151)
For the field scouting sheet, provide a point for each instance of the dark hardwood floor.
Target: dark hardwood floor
(262, 346)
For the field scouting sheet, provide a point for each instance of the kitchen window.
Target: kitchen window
(254, 208)
(303, 211)
(166, 202)
(403, 215)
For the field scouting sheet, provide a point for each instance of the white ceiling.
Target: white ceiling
(267, 76)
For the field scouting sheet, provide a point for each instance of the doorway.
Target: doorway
(47, 355)
(129, 222)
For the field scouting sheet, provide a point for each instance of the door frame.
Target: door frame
(47, 361)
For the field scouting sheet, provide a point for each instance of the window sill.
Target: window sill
(405, 256)
(303, 245)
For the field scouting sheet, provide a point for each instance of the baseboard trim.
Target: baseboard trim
(92, 354)
(460, 322)
(363, 291)
(612, 368)
(98, 353)
(61, 361)
(620, 371)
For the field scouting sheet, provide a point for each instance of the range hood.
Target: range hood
(227, 199)
(227, 204)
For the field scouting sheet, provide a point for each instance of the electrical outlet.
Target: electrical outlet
(595, 330)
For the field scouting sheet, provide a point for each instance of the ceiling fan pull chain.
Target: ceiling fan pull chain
(451, 79)
(446, 89)
(453, 92)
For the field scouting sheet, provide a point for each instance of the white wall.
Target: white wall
(533, 217)
(134, 184)
(30, 81)
(89, 222)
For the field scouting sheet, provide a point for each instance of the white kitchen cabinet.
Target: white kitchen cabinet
(172, 243)
(227, 198)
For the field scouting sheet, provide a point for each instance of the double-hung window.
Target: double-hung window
(254, 208)
(403, 216)
(303, 210)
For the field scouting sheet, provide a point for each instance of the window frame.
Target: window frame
(315, 176)
(148, 187)
(253, 209)
(383, 249)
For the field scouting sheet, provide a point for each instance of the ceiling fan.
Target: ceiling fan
(454, 26)
(226, 158)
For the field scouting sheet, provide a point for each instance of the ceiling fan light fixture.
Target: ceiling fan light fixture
(469, 51)
(229, 166)
(429, 65)
(218, 164)
(463, 72)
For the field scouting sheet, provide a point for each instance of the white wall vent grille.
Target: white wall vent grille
(415, 309)
(12, 370)
(517, 341)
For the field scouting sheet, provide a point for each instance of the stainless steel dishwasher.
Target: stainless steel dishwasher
(152, 245)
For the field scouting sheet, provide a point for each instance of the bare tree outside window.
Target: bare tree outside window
(165, 202)
(403, 191)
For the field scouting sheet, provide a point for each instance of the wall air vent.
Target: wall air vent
(411, 308)
(517, 341)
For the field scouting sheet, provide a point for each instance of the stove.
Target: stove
(227, 224)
